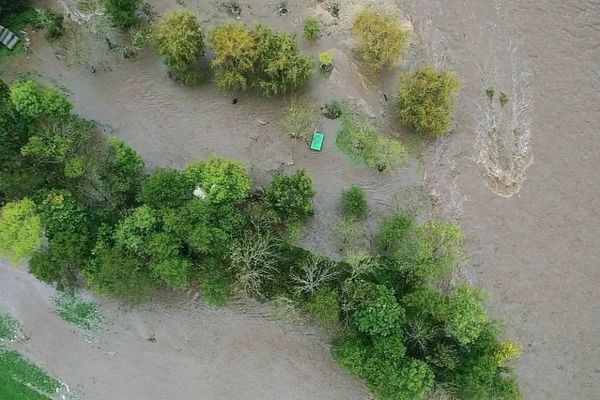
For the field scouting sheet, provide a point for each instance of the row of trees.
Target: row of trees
(88, 214)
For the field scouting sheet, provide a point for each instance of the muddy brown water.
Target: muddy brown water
(521, 179)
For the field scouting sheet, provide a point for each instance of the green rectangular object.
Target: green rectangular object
(316, 143)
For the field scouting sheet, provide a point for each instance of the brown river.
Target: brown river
(521, 179)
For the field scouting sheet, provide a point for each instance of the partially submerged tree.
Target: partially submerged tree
(235, 50)
(179, 40)
(426, 100)
(382, 38)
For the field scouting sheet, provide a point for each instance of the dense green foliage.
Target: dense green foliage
(267, 61)
(33, 100)
(361, 142)
(122, 12)
(405, 327)
(179, 40)
(426, 102)
(382, 39)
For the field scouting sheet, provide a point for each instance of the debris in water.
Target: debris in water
(152, 338)
(234, 101)
(282, 9)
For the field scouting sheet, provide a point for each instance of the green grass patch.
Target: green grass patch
(79, 312)
(22, 380)
(10, 329)
(301, 119)
(360, 141)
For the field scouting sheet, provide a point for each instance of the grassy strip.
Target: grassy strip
(22, 380)
(81, 313)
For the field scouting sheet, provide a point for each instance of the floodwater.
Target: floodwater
(521, 179)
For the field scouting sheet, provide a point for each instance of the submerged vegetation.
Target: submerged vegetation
(22, 380)
(79, 312)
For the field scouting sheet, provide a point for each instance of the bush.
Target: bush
(324, 306)
(354, 203)
(290, 196)
(301, 119)
(21, 231)
(326, 62)
(425, 101)
(179, 40)
(33, 100)
(465, 316)
(51, 22)
(311, 28)
(235, 49)
(223, 181)
(382, 39)
(280, 68)
(134, 230)
(253, 261)
(122, 12)
(358, 139)
(166, 188)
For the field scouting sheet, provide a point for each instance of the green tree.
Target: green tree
(290, 196)
(376, 310)
(425, 100)
(382, 39)
(236, 50)
(21, 230)
(62, 260)
(354, 203)
(122, 12)
(465, 314)
(280, 68)
(62, 213)
(179, 40)
(33, 100)
(166, 188)
(120, 175)
(221, 179)
(324, 306)
(134, 230)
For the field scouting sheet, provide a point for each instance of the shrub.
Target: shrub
(333, 110)
(350, 350)
(21, 230)
(122, 12)
(221, 179)
(358, 139)
(51, 22)
(354, 203)
(290, 196)
(280, 68)
(394, 232)
(235, 49)
(81, 313)
(503, 99)
(324, 306)
(166, 188)
(311, 28)
(180, 42)
(382, 38)
(506, 352)
(351, 236)
(326, 62)
(301, 119)
(174, 271)
(425, 101)
(33, 100)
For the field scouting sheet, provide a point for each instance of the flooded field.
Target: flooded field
(521, 179)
